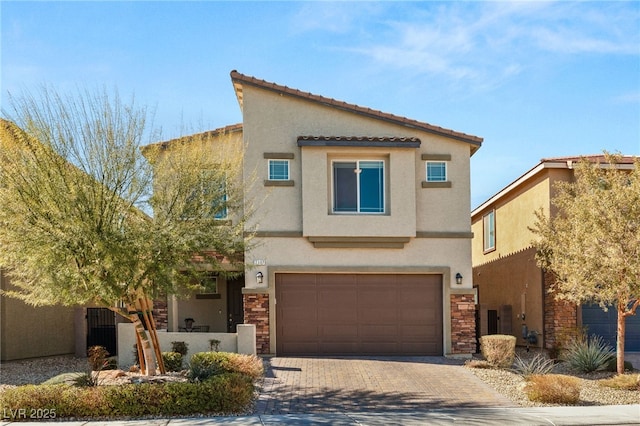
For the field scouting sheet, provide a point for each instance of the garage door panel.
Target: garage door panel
(338, 333)
(359, 314)
(335, 295)
(301, 315)
(329, 348)
(339, 314)
(377, 316)
(605, 324)
(302, 331)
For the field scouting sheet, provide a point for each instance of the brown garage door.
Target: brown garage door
(358, 314)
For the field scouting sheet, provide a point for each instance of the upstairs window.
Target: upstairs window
(358, 186)
(489, 230)
(436, 171)
(278, 169)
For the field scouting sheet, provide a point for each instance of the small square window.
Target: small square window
(278, 169)
(436, 171)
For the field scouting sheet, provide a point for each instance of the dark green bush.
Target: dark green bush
(208, 364)
(227, 393)
(180, 347)
(172, 361)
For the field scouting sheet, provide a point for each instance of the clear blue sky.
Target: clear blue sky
(534, 79)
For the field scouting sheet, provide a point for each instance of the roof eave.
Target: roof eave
(239, 80)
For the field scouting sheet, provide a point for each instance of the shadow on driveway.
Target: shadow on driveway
(370, 384)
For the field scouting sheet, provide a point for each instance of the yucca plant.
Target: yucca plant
(538, 365)
(591, 354)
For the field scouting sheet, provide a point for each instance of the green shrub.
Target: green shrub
(591, 354)
(553, 388)
(207, 364)
(537, 365)
(498, 349)
(172, 361)
(180, 347)
(227, 393)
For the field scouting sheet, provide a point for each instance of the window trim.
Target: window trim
(271, 161)
(489, 217)
(383, 162)
(440, 162)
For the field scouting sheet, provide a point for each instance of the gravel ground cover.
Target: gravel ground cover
(505, 382)
(511, 384)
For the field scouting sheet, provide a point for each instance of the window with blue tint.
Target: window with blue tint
(436, 171)
(278, 169)
(489, 231)
(221, 208)
(358, 186)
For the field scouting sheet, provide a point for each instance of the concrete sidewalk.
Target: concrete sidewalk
(583, 415)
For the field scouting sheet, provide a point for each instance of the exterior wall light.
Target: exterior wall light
(259, 277)
(458, 278)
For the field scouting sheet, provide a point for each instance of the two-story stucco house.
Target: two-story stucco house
(363, 242)
(513, 292)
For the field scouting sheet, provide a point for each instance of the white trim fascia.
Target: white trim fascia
(568, 164)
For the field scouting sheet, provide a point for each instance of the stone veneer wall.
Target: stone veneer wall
(161, 314)
(463, 324)
(559, 315)
(256, 311)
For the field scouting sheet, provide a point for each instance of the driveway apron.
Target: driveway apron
(380, 384)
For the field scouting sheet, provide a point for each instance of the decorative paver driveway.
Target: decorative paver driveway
(374, 384)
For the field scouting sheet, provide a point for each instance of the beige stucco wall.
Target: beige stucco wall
(435, 220)
(514, 215)
(30, 332)
(211, 312)
(272, 123)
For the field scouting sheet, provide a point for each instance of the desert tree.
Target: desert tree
(80, 222)
(591, 243)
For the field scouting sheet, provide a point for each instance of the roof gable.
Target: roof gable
(239, 80)
(625, 162)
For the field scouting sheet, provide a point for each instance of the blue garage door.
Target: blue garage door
(604, 324)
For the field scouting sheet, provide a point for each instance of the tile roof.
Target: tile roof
(598, 158)
(215, 132)
(369, 141)
(239, 80)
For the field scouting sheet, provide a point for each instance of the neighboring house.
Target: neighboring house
(32, 332)
(513, 292)
(27, 331)
(363, 232)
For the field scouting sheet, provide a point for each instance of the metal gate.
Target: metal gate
(101, 329)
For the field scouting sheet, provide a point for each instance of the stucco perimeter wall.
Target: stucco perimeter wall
(274, 121)
(244, 342)
(30, 332)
